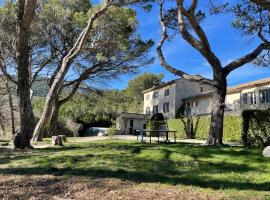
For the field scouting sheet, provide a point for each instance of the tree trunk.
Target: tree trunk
(53, 130)
(189, 127)
(25, 14)
(11, 107)
(217, 114)
(2, 126)
(50, 100)
(66, 62)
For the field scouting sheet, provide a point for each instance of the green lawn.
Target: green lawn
(236, 172)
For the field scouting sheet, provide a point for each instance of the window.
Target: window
(187, 108)
(147, 97)
(193, 104)
(155, 109)
(249, 98)
(147, 110)
(166, 107)
(155, 95)
(131, 123)
(252, 98)
(201, 89)
(244, 98)
(264, 96)
(167, 92)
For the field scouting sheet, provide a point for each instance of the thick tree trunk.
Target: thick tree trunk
(11, 107)
(25, 14)
(217, 114)
(2, 126)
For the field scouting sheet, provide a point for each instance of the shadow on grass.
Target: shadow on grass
(195, 180)
(125, 161)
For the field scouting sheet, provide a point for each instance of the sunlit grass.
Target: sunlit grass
(232, 170)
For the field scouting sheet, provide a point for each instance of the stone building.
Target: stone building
(197, 98)
(167, 98)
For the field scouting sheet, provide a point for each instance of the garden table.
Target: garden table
(162, 131)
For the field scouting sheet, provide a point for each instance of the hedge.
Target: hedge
(256, 127)
(232, 128)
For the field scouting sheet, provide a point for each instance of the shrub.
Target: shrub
(73, 127)
(154, 125)
(112, 131)
(256, 127)
(177, 125)
(157, 117)
(231, 132)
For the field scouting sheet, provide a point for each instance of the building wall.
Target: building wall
(258, 104)
(150, 102)
(186, 88)
(234, 102)
(178, 91)
(201, 106)
(123, 123)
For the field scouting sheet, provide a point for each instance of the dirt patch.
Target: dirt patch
(50, 187)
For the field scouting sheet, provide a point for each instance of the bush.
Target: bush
(256, 127)
(157, 117)
(154, 125)
(177, 125)
(231, 133)
(157, 120)
(73, 127)
(112, 131)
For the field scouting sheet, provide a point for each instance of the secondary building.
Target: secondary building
(127, 123)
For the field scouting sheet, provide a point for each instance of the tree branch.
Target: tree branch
(84, 75)
(41, 67)
(71, 94)
(202, 45)
(245, 59)
(260, 34)
(82, 38)
(167, 66)
(193, 6)
(6, 74)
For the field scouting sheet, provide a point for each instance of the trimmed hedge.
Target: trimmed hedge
(154, 125)
(256, 127)
(232, 128)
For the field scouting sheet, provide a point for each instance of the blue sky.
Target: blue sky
(226, 42)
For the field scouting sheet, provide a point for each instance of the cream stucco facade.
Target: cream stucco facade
(169, 97)
(198, 98)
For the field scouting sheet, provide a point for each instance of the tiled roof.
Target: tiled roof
(230, 90)
(240, 87)
(160, 86)
(234, 89)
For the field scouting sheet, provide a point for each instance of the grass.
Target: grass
(236, 172)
